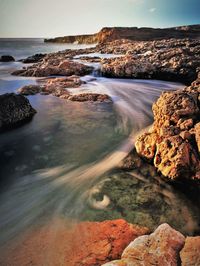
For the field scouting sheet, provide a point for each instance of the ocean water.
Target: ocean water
(64, 163)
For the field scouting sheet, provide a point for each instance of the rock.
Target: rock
(173, 143)
(7, 58)
(92, 97)
(85, 243)
(30, 89)
(14, 110)
(160, 248)
(190, 254)
(33, 59)
(172, 59)
(54, 66)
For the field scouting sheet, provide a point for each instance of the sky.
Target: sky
(51, 18)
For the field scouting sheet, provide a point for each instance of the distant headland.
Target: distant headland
(131, 33)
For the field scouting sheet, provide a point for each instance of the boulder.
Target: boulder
(6, 58)
(14, 110)
(160, 248)
(173, 144)
(190, 254)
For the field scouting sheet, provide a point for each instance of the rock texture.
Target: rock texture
(173, 142)
(6, 58)
(14, 110)
(173, 59)
(132, 33)
(94, 97)
(190, 254)
(54, 66)
(160, 248)
(82, 244)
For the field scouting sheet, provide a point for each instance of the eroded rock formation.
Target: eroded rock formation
(173, 142)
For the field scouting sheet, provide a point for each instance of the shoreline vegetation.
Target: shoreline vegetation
(172, 144)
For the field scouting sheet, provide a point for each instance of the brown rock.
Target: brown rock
(160, 248)
(190, 254)
(171, 143)
(83, 244)
(83, 97)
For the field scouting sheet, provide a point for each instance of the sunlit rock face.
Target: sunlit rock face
(173, 142)
(160, 248)
(14, 110)
(171, 59)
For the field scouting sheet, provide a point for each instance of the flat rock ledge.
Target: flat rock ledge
(14, 111)
(54, 67)
(58, 87)
(173, 143)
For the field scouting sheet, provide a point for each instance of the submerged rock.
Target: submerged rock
(6, 58)
(14, 110)
(160, 248)
(173, 142)
(190, 254)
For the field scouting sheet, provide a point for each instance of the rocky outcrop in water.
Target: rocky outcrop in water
(33, 59)
(175, 60)
(58, 87)
(160, 248)
(108, 34)
(14, 110)
(173, 142)
(54, 66)
(6, 58)
(92, 97)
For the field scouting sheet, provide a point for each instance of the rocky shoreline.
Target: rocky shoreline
(172, 145)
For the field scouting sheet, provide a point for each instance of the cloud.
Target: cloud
(153, 9)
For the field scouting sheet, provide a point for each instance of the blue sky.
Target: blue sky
(50, 18)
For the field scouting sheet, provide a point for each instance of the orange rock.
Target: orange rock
(83, 244)
(160, 248)
(190, 254)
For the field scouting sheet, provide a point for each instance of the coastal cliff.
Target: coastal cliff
(132, 33)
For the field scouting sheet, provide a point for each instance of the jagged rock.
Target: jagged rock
(83, 97)
(14, 110)
(6, 58)
(160, 248)
(173, 143)
(82, 244)
(54, 66)
(190, 254)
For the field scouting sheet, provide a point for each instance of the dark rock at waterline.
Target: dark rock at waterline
(6, 58)
(33, 59)
(14, 111)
